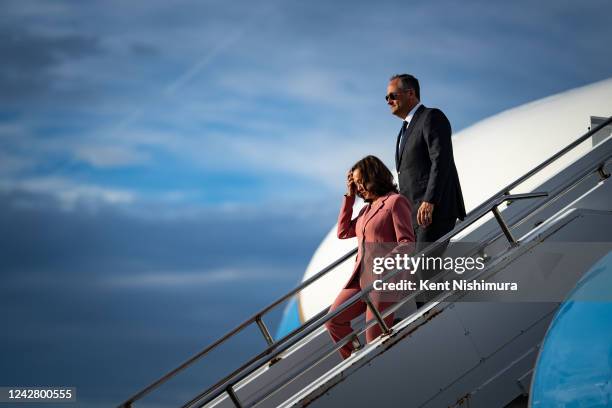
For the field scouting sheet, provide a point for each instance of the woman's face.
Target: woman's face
(361, 190)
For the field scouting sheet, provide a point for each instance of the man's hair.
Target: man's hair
(377, 178)
(408, 81)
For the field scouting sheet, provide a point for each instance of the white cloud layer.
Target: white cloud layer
(190, 279)
(68, 193)
(110, 156)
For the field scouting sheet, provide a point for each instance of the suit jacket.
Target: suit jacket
(383, 222)
(426, 166)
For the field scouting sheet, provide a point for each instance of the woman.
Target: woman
(386, 218)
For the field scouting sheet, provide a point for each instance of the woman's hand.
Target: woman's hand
(351, 188)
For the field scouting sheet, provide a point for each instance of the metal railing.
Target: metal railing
(275, 348)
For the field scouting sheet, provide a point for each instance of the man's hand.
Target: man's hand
(425, 214)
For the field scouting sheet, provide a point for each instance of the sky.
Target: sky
(166, 168)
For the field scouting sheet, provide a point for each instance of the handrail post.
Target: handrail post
(264, 330)
(233, 396)
(504, 226)
(602, 172)
(381, 322)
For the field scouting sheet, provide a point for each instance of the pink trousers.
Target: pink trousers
(340, 326)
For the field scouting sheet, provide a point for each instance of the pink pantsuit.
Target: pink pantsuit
(387, 220)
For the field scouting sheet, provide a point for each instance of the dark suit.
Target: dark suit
(426, 171)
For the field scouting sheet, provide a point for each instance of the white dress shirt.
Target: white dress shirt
(411, 113)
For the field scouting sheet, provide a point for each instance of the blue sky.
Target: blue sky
(160, 160)
(213, 104)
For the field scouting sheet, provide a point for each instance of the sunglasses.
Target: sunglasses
(394, 95)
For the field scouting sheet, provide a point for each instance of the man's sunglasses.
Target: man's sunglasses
(393, 95)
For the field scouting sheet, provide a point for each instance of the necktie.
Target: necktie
(401, 142)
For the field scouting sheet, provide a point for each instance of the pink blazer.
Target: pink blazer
(388, 220)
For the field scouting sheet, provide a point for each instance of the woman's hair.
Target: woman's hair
(376, 177)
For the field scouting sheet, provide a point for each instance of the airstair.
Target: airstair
(462, 348)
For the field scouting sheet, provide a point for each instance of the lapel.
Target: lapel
(409, 131)
(373, 210)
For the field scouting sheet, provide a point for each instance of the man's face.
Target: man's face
(400, 100)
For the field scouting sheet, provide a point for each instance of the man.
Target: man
(424, 162)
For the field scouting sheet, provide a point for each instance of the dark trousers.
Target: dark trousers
(437, 229)
(425, 237)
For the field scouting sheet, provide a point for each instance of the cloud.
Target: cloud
(319, 86)
(28, 59)
(322, 157)
(292, 93)
(194, 279)
(131, 288)
(68, 193)
(141, 49)
(11, 163)
(113, 240)
(110, 156)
